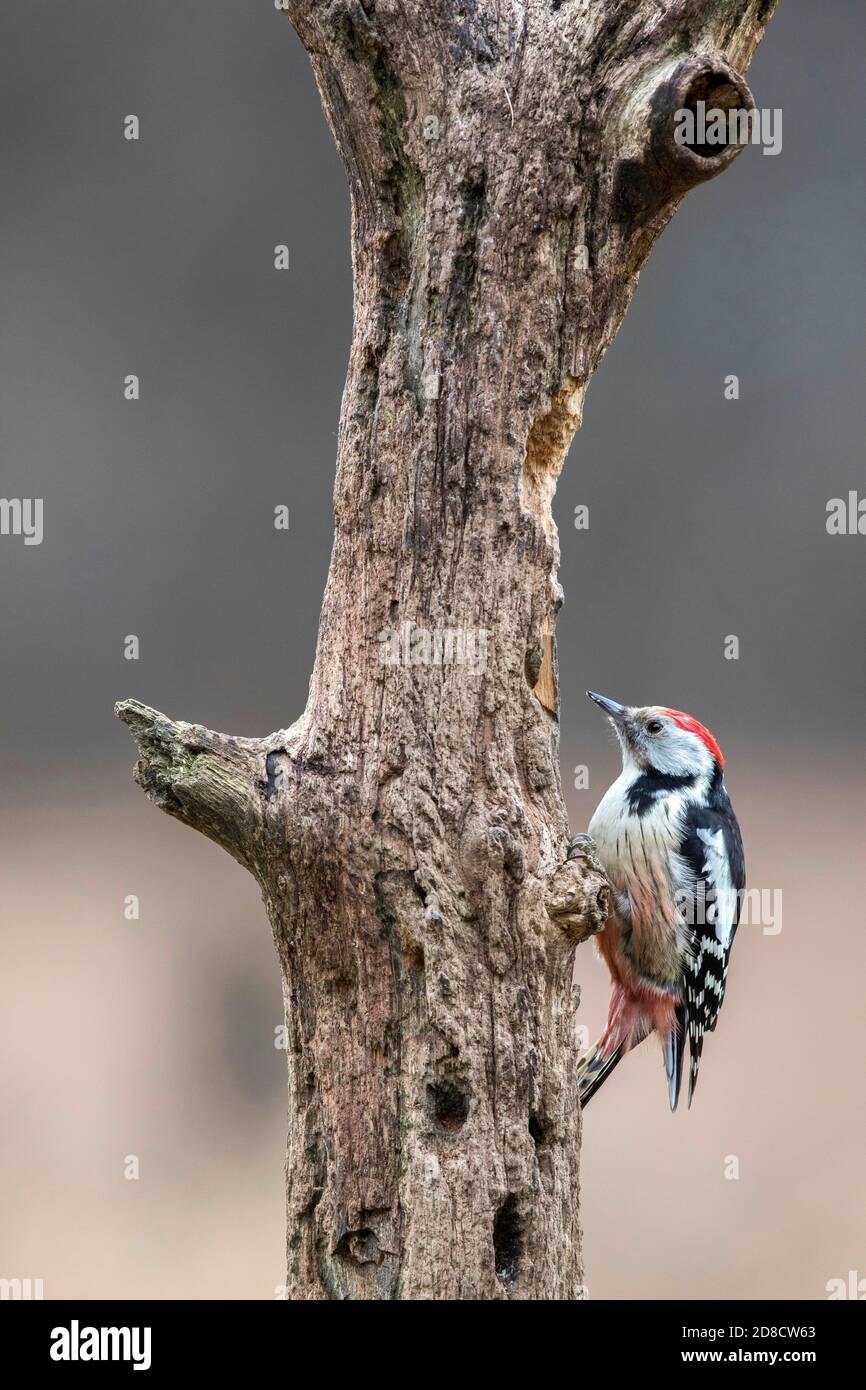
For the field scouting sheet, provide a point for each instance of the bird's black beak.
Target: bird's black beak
(616, 711)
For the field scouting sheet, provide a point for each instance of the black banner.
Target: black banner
(156, 1338)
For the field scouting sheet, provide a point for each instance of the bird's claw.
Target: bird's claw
(582, 846)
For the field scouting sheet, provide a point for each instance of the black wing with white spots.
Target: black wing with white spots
(713, 851)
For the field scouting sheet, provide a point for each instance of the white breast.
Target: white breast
(640, 853)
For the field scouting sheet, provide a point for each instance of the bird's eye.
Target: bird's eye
(654, 726)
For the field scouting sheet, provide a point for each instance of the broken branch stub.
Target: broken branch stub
(206, 780)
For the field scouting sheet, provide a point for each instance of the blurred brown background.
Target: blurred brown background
(707, 518)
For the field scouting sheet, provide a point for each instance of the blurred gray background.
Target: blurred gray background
(707, 518)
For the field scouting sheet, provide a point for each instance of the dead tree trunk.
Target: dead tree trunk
(510, 167)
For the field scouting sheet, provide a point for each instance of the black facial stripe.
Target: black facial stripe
(644, 791)
(717, 797)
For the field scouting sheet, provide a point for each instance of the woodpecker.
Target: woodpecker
(669, 842)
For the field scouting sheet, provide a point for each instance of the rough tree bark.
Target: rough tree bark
(510, 164)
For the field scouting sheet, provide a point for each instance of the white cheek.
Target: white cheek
(667, 757)
(677, 757)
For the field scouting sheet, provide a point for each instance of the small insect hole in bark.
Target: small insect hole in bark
(507, 1240)
(449, 1106)
(537, 1130)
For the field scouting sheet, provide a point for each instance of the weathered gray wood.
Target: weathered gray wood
(510, 167)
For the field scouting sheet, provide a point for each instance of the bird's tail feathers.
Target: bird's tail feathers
(594, 1068)
(696, 1045)
(674, 1052)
